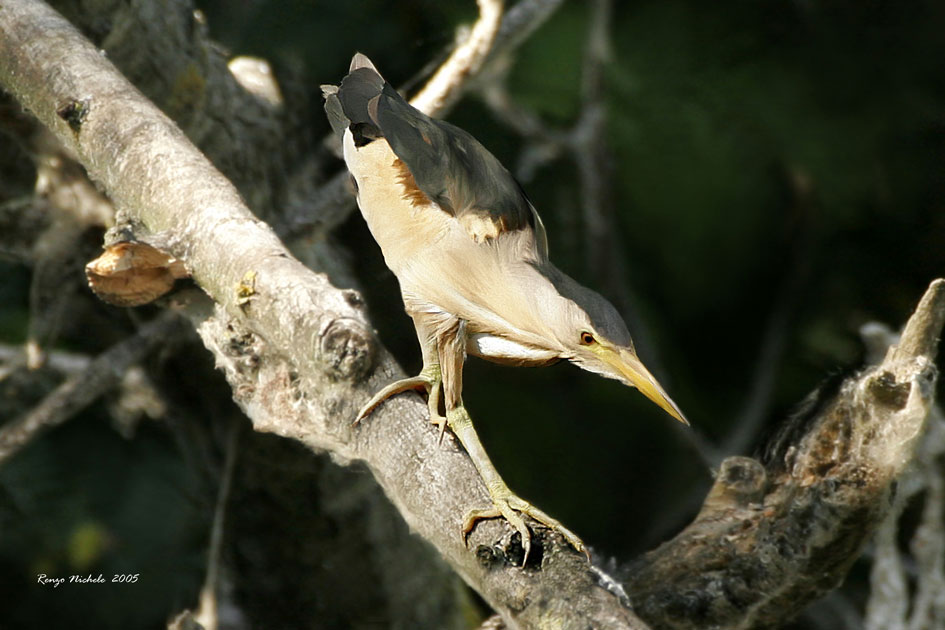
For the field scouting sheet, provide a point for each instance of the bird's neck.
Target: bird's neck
(536, 286)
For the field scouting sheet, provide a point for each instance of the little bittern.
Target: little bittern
(471, 256)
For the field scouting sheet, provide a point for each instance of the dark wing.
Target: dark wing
(448, 165)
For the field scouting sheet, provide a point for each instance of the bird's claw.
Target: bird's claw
(428, 380)
(397, 387)
(509, 507)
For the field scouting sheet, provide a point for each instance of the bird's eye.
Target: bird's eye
(587, 338)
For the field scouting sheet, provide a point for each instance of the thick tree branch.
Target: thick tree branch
(773, 536)
(163, 48)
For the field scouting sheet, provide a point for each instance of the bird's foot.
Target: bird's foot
(428, 380)
(509, 506)
(505, 504)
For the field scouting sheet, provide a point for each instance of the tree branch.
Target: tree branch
(443, 88)
(80, 389)
(776, 534)
(892, 604)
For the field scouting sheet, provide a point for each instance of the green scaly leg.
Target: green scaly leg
(505, 504)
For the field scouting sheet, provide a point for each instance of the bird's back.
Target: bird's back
(441, 163)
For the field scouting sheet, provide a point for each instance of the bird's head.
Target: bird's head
(596, 339)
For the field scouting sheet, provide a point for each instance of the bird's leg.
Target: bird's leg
(431, 370)
(429, 380)
(505, 504)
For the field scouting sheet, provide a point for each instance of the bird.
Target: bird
(470, 253)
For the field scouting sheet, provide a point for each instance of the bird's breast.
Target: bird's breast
(403, 224)
(441, 268)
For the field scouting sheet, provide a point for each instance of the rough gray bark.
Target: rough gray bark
(787, 531)
(301, 359)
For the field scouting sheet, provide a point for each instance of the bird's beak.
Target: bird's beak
(626, 363)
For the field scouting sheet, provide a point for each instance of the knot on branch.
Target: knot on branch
(243, 349)
(346, 349)
(888, 392)
(74, 112)
(740, 482)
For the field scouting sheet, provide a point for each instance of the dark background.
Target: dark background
(774, 178)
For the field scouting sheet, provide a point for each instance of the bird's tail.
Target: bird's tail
(336, 115)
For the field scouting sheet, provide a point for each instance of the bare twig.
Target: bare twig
(208, 610)
(13, 357)
(928, 542)
(76, 392)
(588, 141)
(888, 605)
(520, 22)
(444, 86)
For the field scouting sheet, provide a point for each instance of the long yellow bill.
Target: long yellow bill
(627, 363)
